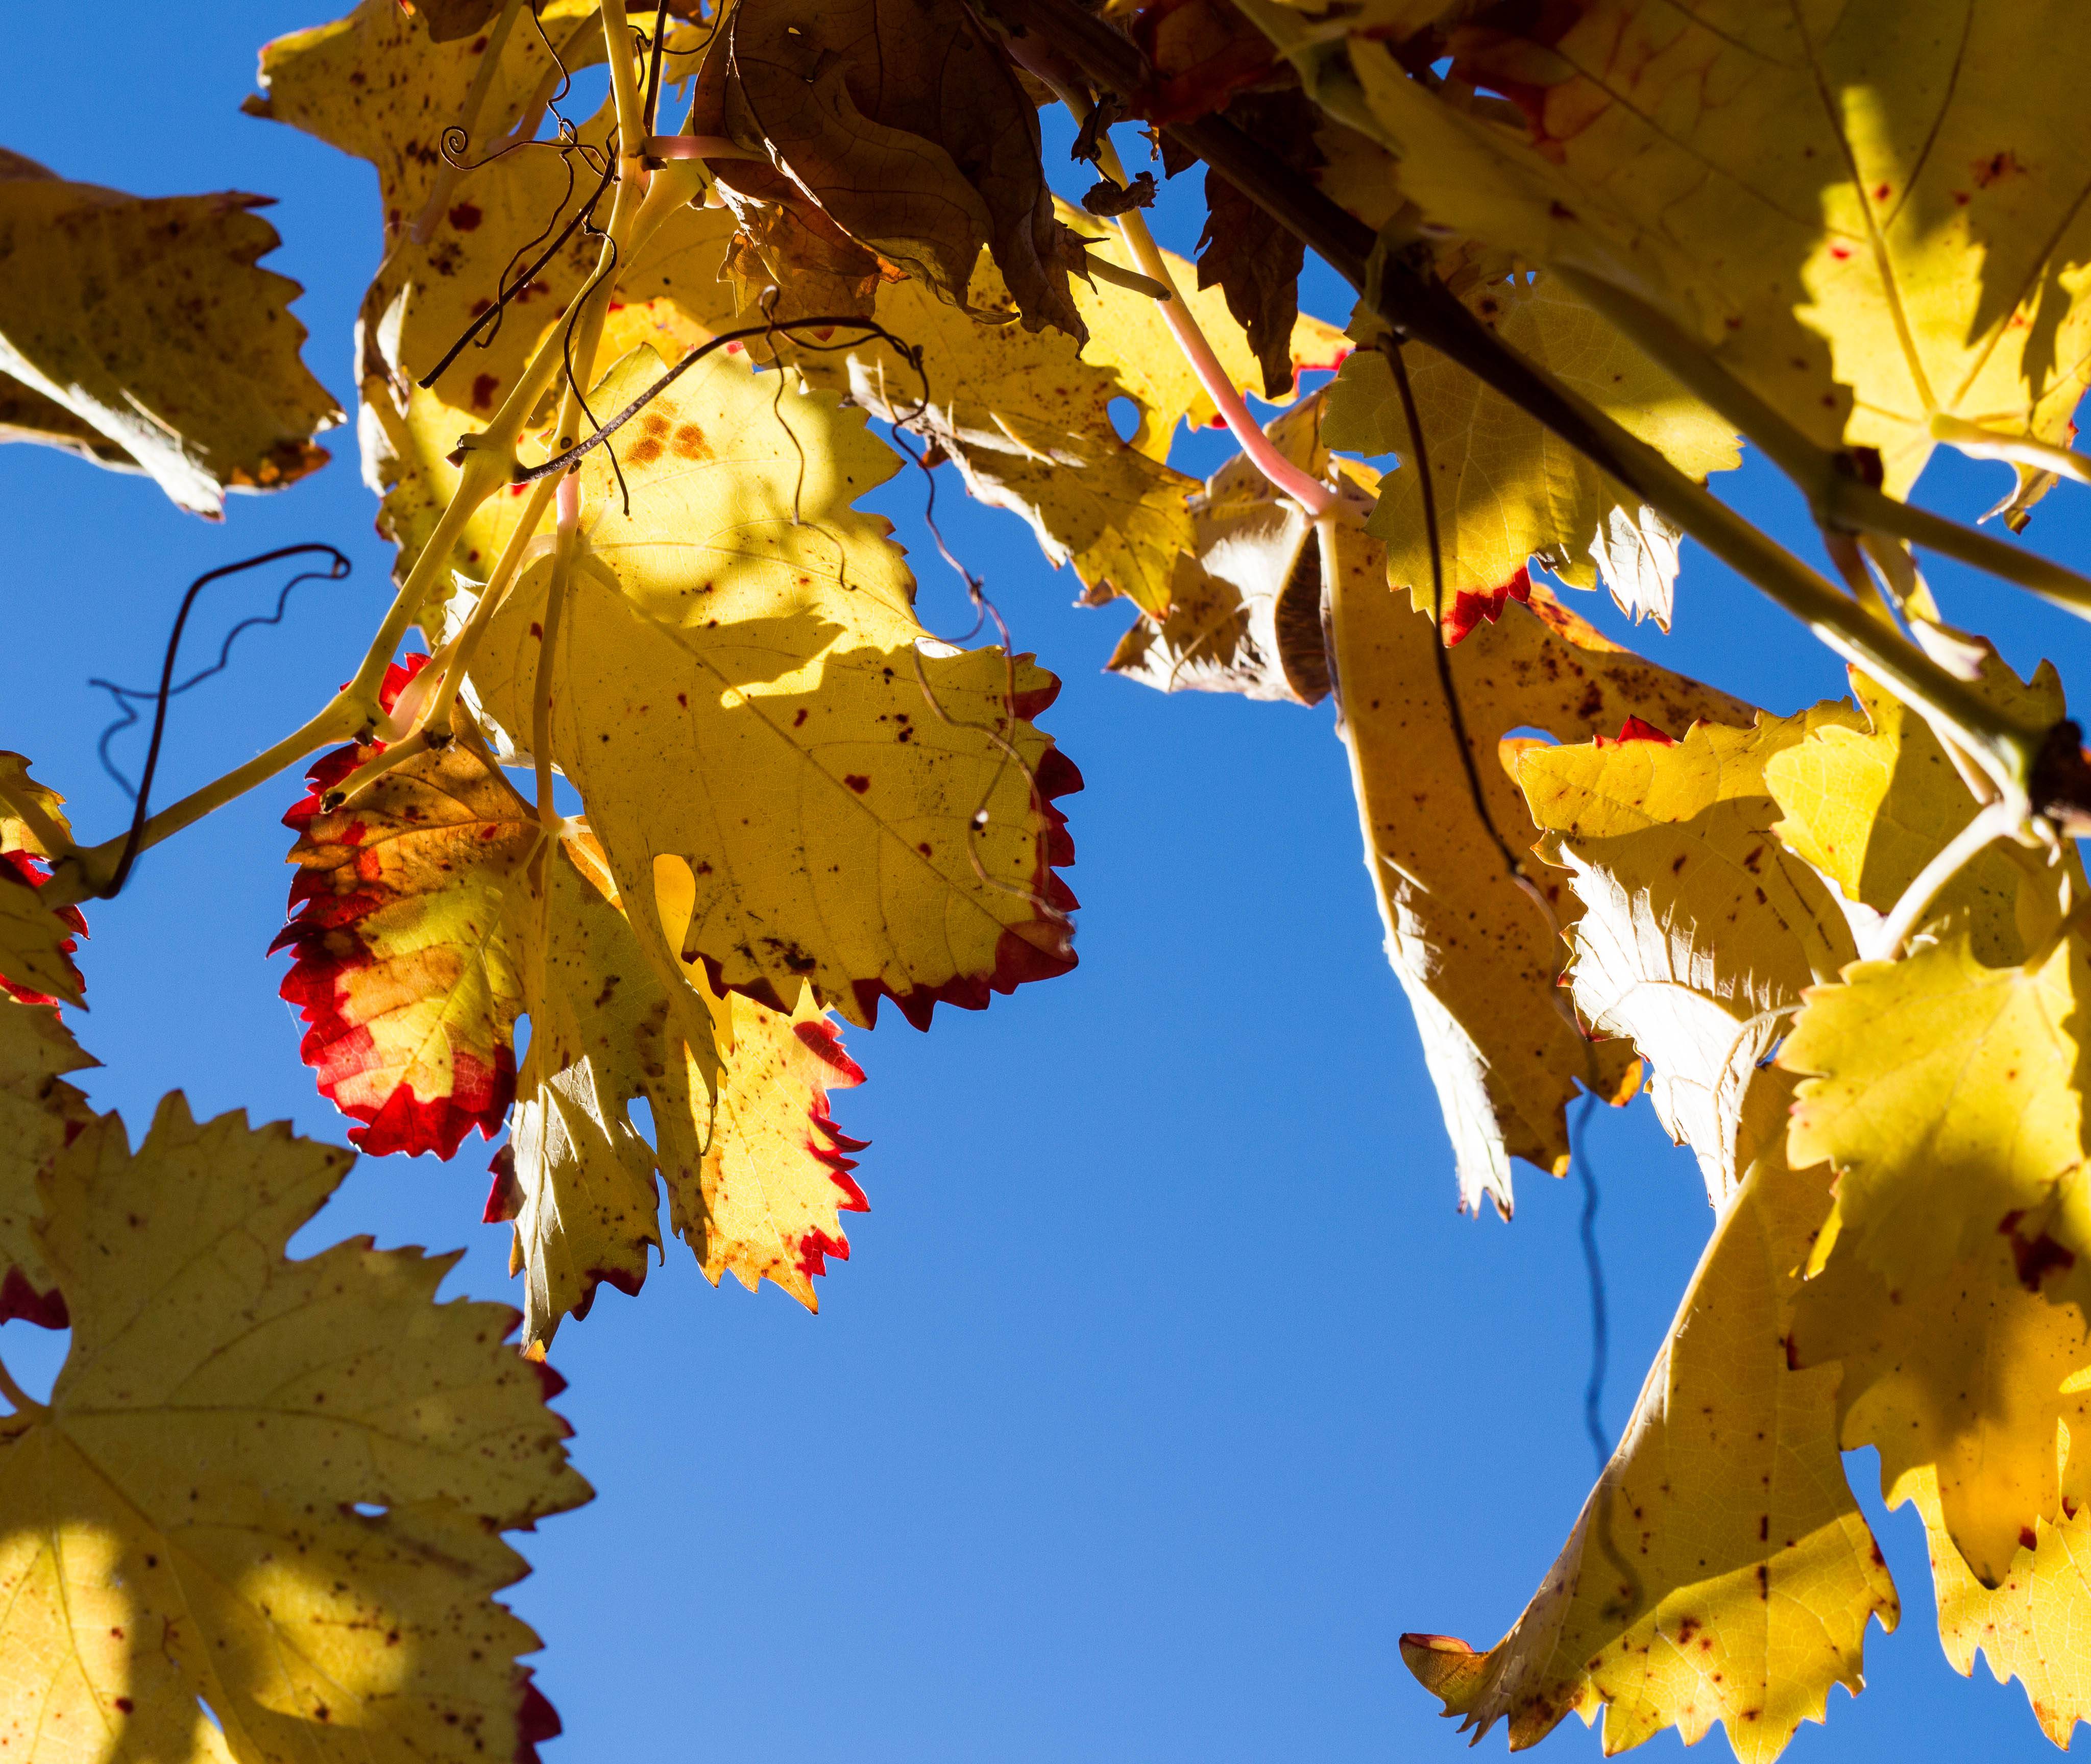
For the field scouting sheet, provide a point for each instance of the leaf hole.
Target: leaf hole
(1125, 413)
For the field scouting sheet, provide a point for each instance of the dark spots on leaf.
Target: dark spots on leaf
(483, 389)
(1997, 166)
(124, 1706)
(924, 847)
(800, 718)
(682, 698)
(857, 782)
(689, 441)
(465, 216)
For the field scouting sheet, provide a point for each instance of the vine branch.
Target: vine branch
(1414, 304)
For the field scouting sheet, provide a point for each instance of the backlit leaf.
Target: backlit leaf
(1245, 607)
(1509, 490)
(260, 1518)
(1720, 1570)
(743, 688)
(1958, 1380)
(1870, 806)
(39, 1113)
(431, 913)
(37, 943)
(1477, 957)
(375, 85)
(1699, 932)
(1947, 1096)
(1873, 218)
(2030, 1626)
(146, 318)
(1027, 420)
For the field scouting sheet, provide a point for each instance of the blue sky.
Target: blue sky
(1164, 1387)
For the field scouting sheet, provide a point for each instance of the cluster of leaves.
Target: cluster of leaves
(617, 388)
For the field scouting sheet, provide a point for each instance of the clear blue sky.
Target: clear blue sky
(1164, 1387)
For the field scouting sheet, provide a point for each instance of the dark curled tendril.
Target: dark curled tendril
(338, 568)
(1593, 1392)
(582, 217)
(866, 328)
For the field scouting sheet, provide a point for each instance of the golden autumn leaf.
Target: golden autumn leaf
(1868, 807)
(1874, 218)
(39, 1113)
(1947, 1093)
(146, 319)
(376, 85)
(1475, 956)
(1720, 1570)
(1699, 932)
(431, 912)
(1245, 606)
(1508, 490)
(1959, 1380)
(2030, 1625)
(259, 1516)
(37, 943)
(1027, 419)
(1946, 1096)
(743, 689)
(27, 415)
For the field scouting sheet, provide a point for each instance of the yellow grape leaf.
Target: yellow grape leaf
(376, 85)
(1948, 1095)
(762, 1194)
(2031, 1626)
(1958, 1380)
(1027, 419)
(743, 686)
(39, 1113)
(431, 913)
(1508, 489)
(1698, 931)
(1720, 1570)
(425, 296)
(266, 1495)
(36, 943)
(1874, 218)
(1245, 607)
(27, 415)
(1869, 807)
(1476, 958)
(147, 319)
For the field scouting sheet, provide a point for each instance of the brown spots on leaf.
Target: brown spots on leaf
(1997, 166)
(653, 442)
(484, 386)
(124, 1706)
(465, 216)
(689, 442)
(800, 718)
(857, 782)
